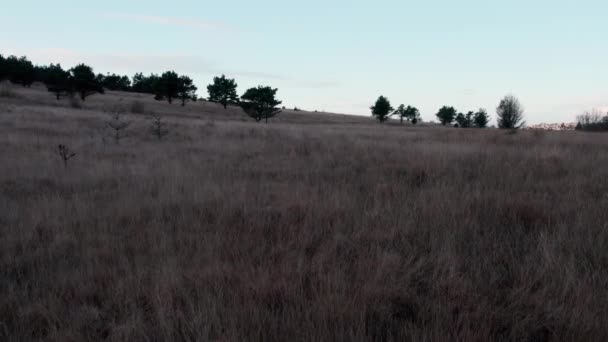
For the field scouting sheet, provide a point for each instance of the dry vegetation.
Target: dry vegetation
(311, 228)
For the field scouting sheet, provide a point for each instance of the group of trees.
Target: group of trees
(78, 80)
(83, 81)
(592, 121)
(382, 111)
(449, 115)
(168, 86)
(260, 102)
(509, 114)
(18, 70)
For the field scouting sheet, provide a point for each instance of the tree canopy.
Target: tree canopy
(167, 86)
(446, 115)
(84, 82)
(260, 103)
(186, 89)
(510, 113)
(481, 118)
(57, 80)
(223, 90)
(382, 109)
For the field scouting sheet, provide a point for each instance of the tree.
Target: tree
(401, 112)
(409, 113)
(186, 89)
(116, 82)
(158, 128)
(20, 71)
(117, 123)
(465, 120)
(3, 68)
(223, 90)
(65, 153)
(592, 121)
(84, 81)
(460, 120)
(446, 115)
(143, 84)
(510, 113)
(57, 80)
(481, 118)
(382, 109)
(167, 87)
(260, 103)
(412, 114)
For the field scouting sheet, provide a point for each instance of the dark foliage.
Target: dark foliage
(446, 115)
(144, 84)
(84, 82)
(19, 70)
(481, 118)
(167, 86)
(260, 103)
(411, 114)
(223, 90)
(592, 121)
(3, 68)
(465, 120)
(510, 113)
(57, 80)
(186, 90)
(382, 109)
(115, 82)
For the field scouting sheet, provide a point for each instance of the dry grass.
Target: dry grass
(329, 229)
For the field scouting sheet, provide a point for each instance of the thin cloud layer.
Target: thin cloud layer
(197, 24)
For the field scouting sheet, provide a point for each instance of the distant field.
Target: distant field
(314, 227)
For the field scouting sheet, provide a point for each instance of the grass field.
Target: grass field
(314, 227)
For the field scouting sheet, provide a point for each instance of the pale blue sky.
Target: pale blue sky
(340, 55)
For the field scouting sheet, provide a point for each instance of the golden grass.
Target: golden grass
(311, 228)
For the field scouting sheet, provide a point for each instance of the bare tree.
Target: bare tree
(64, 152)
(117, 123)
(510, 113)
(159, 128)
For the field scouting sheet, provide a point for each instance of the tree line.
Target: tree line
(594, 121)
(509, 114)
(259, 102)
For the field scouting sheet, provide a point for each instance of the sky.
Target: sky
(339, 56)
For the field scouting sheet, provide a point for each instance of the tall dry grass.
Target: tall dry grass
(232, 231)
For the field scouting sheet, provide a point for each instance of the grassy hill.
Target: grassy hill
(314, 227)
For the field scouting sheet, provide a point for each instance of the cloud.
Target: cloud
(203, 25)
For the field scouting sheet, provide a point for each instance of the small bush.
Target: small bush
(138, 107)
